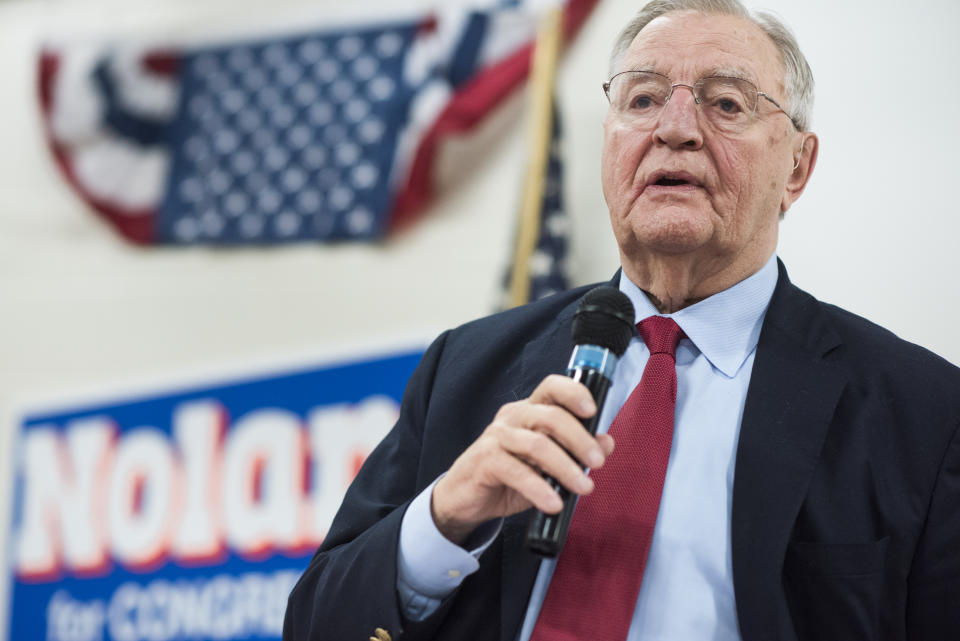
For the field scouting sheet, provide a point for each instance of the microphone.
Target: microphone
(602, 328)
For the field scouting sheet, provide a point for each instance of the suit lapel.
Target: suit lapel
(547, 354)
(792, 396)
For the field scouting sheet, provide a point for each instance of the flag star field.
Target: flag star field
(287, 140)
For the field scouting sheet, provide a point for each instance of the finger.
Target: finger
(539, 450)
(530, 484)
(457, 510)
(606, 443)
(561, 426)
(566, 392)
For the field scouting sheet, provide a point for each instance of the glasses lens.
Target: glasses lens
(639, 95)
(728, 103)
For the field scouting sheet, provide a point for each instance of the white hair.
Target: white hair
(798, 79)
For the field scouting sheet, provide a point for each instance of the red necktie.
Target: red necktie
(594, 588)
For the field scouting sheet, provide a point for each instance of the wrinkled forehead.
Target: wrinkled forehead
(686, 46)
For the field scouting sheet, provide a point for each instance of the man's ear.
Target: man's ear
(804, 162)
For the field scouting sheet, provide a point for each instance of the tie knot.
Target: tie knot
(660, 334)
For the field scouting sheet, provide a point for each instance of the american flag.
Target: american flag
(546, 267)
(329, 135)
(548, 264)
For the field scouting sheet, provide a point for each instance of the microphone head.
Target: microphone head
(604, 317)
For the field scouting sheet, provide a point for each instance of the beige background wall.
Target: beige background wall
(83, 315)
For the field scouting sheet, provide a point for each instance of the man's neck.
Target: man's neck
(674, 282)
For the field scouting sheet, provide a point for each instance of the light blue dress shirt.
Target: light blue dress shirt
(687, 590)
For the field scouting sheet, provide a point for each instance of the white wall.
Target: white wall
(876, 231)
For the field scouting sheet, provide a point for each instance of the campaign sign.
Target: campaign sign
(188, 515)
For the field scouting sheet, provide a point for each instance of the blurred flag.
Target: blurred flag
(538, 267)
(544, 268)
(548, 264)
(329, 135)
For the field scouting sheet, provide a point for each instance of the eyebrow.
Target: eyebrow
(729, 72)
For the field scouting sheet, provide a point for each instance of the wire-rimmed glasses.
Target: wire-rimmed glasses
(729, 104)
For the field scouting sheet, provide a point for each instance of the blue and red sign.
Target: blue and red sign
(188, 515)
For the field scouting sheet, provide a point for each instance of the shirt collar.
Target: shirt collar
(726, 326)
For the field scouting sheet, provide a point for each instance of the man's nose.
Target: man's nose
(678, 126)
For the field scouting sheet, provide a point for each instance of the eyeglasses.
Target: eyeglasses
(729, 104)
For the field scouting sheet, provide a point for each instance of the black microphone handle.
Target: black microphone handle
(546, 533)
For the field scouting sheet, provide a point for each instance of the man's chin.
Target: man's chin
(672, 231)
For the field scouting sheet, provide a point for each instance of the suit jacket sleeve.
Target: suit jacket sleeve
(933, 606)
(349, 588)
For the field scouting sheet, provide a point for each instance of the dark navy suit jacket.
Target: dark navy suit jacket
(846, 499)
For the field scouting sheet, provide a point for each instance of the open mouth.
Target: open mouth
(676, 179)
(672, 182)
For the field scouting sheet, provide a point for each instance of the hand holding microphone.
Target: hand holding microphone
(602, 328)
(502, 472)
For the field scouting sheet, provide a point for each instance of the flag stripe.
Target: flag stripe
(471, 102)
(467, 54)
(139, 129)
(136, 225)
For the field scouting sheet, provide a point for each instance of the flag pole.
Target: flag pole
(540, 120)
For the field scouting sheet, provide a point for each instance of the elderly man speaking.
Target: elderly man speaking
(766, 467)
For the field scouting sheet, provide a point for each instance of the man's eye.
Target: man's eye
(727, 106)
(645, 101)
(641, 102)
(730, 106)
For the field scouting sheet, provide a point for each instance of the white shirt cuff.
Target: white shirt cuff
(429, 566)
